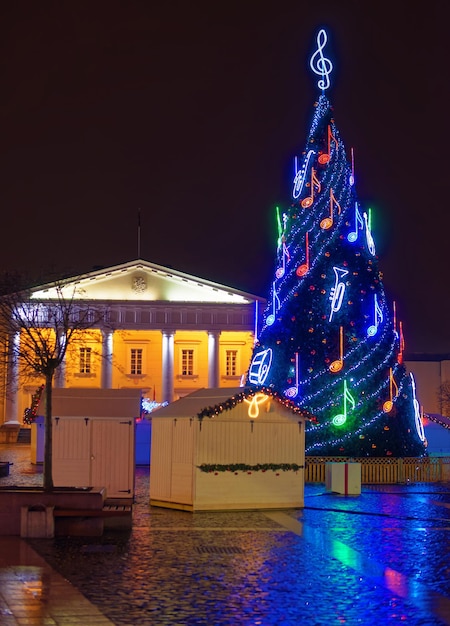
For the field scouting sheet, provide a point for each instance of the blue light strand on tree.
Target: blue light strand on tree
(328, 340)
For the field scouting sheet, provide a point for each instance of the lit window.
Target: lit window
(136, 361)
(85, 360)
(187, 362)
(231, 363)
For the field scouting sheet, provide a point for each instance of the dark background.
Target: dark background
(193, 112)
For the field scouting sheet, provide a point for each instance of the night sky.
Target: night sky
(193, 112)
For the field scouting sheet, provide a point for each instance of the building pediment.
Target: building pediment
(141, 281)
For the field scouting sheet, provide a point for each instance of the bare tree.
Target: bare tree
(443, 395)
(35, 333)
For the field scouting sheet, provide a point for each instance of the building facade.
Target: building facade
(430, 372)
(168, 334)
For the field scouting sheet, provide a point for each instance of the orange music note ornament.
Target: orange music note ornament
(303, 269)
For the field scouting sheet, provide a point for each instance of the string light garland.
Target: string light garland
(246, 394)
(31, 413)
(436, 420)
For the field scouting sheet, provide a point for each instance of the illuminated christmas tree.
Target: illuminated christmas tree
(329, 339)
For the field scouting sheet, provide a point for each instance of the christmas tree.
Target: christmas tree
(329, 339)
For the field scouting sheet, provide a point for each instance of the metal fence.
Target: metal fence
(384, 470)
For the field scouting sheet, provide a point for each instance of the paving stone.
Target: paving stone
(378, 558)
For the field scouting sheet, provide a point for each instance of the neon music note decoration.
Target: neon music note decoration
(369, 238)
(418, 418)
(326, 156)
(378, 318)
(315, 184)
(359, 225)
(286, 257)
(319, 64)
(339, 420)
(260, 366)
(280, 229)
(352, 175)
(337, 292)
(300, 175)
(327, 222)
(336, 366)
(275, 306)
(254, 402)
(387, 406)
(401, 344)
(292, 392)
(303, 269)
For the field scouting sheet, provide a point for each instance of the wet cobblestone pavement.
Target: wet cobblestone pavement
(378, 558)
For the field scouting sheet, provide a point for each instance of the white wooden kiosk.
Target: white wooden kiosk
(94, 439)
(228, 449)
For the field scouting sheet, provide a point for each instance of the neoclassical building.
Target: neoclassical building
(168, 334)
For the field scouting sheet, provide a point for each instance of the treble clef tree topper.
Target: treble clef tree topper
(319, 64)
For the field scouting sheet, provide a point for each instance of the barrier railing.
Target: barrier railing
(384, 470)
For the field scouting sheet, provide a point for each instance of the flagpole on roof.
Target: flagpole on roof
(139, 235)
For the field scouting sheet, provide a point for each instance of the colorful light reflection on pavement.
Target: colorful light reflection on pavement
(393, 580)
(377, 558)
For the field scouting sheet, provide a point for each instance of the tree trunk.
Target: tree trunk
(48, 471)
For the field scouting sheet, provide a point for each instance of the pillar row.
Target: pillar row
(213, 359)
(167, 365)
(107, 357)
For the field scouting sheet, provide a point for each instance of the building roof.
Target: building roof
(143, 281)
(209, 402)
(425, 356)
(442, 420)
(192, 404)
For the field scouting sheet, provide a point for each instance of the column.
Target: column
(12, 380)
(107, 356)
(60, 372)
(213, 359)
(167, 366)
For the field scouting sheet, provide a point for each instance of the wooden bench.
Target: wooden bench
(107, 511)
(93, 522)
